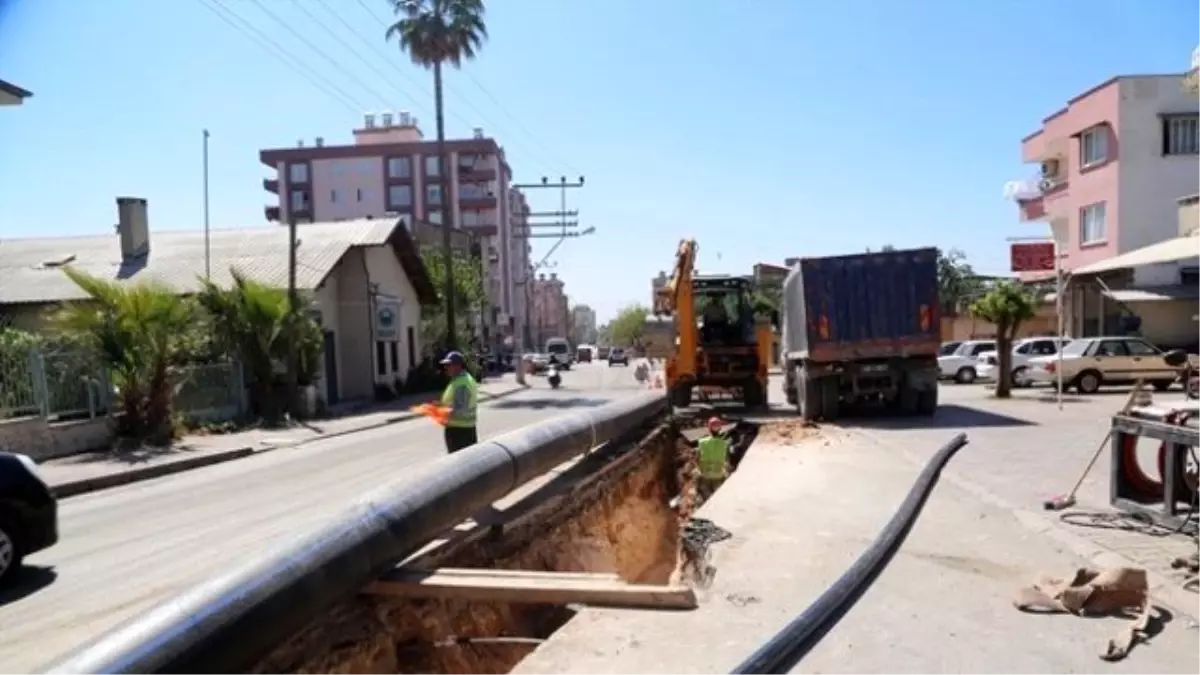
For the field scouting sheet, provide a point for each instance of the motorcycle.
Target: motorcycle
(553, 377)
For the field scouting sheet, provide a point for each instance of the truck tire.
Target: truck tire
(831, 397)
(808, 397)
(754, 395)
(908, 400)
(681, 395)
(927, 401)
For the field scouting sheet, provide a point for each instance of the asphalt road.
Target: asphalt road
(126, 549)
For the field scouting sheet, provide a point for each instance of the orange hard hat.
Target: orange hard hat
(714, 423)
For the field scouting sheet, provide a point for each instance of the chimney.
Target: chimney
(478, 133)
(320, 142)
(554, 276)
(1189, 215)
(133, 227)
(385, 120)
(369, 120)
(405, 119)
(541, 277)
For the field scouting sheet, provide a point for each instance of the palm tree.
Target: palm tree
(141, 331)
(433, 33)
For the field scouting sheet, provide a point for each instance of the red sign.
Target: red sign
(1035, 257)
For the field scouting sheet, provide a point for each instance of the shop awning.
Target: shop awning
(1171, 250)
(1154, 294)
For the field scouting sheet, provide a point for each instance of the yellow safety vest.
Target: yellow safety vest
(461, 396)
(714, 450)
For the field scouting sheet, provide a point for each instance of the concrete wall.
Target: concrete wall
(40, 440)
(355, 344)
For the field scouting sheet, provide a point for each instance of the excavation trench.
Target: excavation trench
(620, 511)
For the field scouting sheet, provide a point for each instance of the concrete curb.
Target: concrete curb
(104, 482)
(1167, 591)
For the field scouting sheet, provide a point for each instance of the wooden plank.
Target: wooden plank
(471, 572)
(531, 588)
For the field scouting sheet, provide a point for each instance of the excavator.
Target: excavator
(722, 349)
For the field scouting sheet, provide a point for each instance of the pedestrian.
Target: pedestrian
(460, 399)
(712, 460)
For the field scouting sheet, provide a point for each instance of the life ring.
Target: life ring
(1131, 470)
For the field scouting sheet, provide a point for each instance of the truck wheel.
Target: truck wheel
(831, 396)
(754, 395)
(790, 394)
(808, 395)
(681, 396)
(927, 401)
(907, 400)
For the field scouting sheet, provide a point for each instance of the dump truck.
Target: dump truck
(861, 328)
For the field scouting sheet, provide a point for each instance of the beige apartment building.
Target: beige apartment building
(391, 169)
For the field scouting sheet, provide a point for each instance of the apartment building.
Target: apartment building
(551, 317)
(1112, 165)
(583, 324)
(392, 170)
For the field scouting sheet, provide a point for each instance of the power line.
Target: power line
(316, 79)
(332, 61)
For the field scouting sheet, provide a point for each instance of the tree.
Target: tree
(466, 274)
(141, 331)
(1006, 305)
(629, 326)
(957, 281)
(434, 33)
(254, 322)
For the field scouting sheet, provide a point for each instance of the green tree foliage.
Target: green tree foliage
(434, 33)
(469, 295)
(253, 322)
(958, 284)
(629, 326)
(1007, 305)
(142, 333)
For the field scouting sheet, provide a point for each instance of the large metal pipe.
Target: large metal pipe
(229, 623)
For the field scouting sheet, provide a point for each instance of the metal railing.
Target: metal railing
(57, 384)
(211, 391)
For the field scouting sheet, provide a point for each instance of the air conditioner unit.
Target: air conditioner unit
(1050, 168)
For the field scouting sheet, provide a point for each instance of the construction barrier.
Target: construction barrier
(228, 623)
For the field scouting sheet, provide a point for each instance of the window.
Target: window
(399, 196)
(333, 196)
(433, 195)
(435, 217)
(1092, 224)
(1093, 146)
(399, 167)
(1180, 135)
(1025, 348)
(299, 200)
(380, 358)
(298, 173)
(1077, 348)
(983, 347)
(358, 195)
(1139, 348)
(473, 191)
(948, 348)
(432, 165)
(394, 355)
(1112, 348)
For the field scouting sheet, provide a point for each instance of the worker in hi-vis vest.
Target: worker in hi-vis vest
(460, 400)
(712, 459)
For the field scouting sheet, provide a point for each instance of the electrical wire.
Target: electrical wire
(248, 30)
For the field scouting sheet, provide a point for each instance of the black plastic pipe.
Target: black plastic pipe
(783, 651)
(229, 623)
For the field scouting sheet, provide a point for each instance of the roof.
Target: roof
(1171, 250)
(1154, 293)
(28, 273)
(14, 90)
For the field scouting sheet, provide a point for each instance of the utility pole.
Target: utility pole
(207, 248)
(293, 306)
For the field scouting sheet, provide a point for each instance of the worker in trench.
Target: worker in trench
(460, 399)
(712, 459)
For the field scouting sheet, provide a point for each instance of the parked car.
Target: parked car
(28, 513)
(961, 364)
(618, 355)
(1090, 363)
(1023, 350)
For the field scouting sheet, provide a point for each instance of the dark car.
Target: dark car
(28, 513)
(617, 355)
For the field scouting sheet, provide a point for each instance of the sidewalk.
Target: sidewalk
(800, 515)
(79, 474)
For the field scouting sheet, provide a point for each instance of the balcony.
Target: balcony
(271, 213)
(271, 185)
(1035, 196)
(471, 173)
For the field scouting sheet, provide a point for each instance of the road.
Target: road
(126, 549)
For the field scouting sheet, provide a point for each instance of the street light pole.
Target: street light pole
(207, 248)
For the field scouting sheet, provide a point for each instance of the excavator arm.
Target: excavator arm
(676, 298)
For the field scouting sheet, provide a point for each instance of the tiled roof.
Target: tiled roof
(28, 273)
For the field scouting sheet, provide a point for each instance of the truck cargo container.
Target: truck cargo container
(862, 327)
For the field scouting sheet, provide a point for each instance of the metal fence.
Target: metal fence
(66, 384)
(57, 384)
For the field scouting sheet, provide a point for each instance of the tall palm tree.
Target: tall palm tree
(433, 33)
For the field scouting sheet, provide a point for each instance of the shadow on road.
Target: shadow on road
(27, 581)
(558, 403)
(949, 416)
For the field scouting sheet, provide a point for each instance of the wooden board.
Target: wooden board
(528, 587)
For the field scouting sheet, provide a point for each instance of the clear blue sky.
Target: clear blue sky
(798, 127)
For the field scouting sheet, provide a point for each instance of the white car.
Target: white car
(959, 361)
(1089, 363)
(1023, 351)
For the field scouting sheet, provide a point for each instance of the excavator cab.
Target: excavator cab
(725, 310)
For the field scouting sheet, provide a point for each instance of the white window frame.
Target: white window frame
(430, 191)
(1182, 135)
(434, 217)
(1094, 140)
(399, 167)
(298, 172)
(393, 203)
(1089, 231)
(302, 197)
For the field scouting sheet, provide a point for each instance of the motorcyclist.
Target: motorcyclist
(552, 375)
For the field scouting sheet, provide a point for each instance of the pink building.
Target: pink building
(1111, 167)
(392, 170)
(551, 317)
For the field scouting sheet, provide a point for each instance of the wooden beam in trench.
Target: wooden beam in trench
(528, 587)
